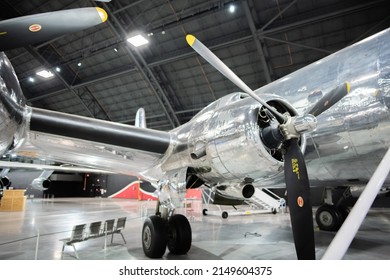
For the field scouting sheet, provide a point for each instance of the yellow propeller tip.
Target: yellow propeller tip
(348, 87)
(102, 13)
(190, 39)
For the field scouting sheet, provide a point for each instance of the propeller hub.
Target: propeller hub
(295, 126)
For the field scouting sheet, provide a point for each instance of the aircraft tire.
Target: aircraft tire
(154, 237)
(225, 215)
(328, 218)
(204, 212)
(179, 235)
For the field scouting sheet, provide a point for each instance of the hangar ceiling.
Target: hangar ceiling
(102, 76)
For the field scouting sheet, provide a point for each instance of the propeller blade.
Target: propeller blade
(26, 30)
(211, 58)
(298, 196)
(329, 99)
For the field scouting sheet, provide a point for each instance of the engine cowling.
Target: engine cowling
(5, 182)
(12, 106)
(229, 144)
(41, 184)
(239, 191)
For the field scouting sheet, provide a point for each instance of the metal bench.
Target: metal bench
(120, 225)
(78, 235)
(94, 230)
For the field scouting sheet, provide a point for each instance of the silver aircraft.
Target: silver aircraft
(291, 133)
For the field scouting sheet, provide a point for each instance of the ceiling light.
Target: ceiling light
(79, 64)
(115, 50)
(232, 8)
(45, 74)
(31, 79)
(58, 69)
(137, 40)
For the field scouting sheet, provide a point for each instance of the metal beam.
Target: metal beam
(145, 71)
(131, 69)
(127, 6)
(258, 44)
(277, 16)
(296, 44)
(86, 98)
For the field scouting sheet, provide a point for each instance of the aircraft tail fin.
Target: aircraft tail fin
(140, 118)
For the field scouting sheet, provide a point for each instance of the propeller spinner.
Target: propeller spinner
(288, 132)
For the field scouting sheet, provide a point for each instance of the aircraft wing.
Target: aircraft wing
(46, 167)
(90, 142)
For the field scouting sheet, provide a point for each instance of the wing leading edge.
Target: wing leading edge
(116, 134)
(91, 142)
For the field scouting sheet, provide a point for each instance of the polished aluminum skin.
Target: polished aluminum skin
(353, 135)
(222, 145)
(11, 100)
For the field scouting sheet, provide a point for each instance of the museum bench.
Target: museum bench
(84, 232)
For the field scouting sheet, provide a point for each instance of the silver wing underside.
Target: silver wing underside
(50, 168)
(87, 153)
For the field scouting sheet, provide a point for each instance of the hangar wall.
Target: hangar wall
(100, 185)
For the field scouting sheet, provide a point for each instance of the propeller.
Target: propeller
(288, 132)
(25, 30)
(298, 195)
(221, 67)
(329, 99)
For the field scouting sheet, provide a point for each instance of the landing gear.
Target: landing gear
(179, 235)
(158, 234)
(328, 218)
(154, 237)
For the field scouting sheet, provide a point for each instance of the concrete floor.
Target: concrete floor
(35, 233)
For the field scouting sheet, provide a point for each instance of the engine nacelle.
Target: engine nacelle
(41, 184)
(228, 141)
(239, 191)
(5, 182)
(12, 106)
